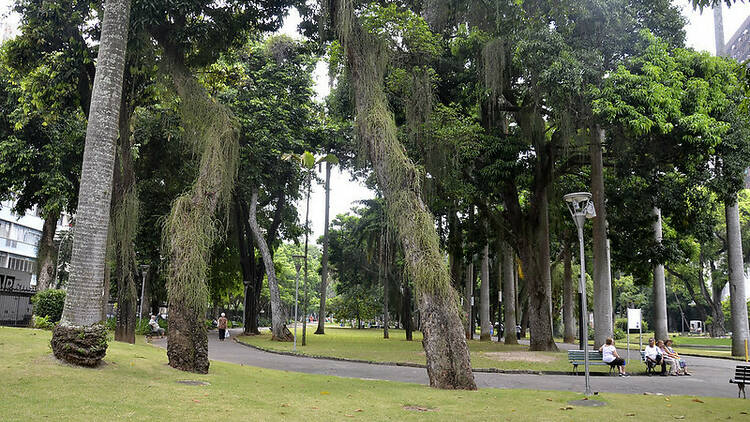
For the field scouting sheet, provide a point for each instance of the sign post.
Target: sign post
(634, 323)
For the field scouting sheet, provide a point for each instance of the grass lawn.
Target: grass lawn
(136, 384)
(369, 345)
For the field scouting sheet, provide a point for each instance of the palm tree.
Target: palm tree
(80, 338)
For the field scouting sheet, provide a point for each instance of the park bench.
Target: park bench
(741, 377)
(649, 365)
(576, 357)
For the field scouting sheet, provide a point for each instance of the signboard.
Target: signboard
(634, 319)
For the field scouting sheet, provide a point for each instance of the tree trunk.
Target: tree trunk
(279, 330)
(714, 303)
(569, 296)
(468, 295)
(660, 289)
(737, 299)
(79, 339)
(509, 294)
(406, 310)
(307, 233)
(47, 255)
(484, 300)
(448, 362)
(603, 324)
(246, 262)
(535, 256)
(123, 231)
(324, 258)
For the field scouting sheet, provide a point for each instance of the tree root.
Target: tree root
(82, 346)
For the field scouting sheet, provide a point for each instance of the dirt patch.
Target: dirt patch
(522, 356)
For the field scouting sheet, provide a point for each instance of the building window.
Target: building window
(3, 260)
(4, 229)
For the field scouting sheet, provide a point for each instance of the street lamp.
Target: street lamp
(298, 259)
(144, 271)
(581, 208)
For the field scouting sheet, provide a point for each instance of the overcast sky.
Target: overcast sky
(700, 36)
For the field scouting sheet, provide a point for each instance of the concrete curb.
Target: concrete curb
(416, 365)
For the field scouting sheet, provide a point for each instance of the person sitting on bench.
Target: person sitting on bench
(654, 357)
(610, 356)
(673, 364)
(681, 364)
(155, 328)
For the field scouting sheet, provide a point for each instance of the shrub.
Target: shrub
(49, 303)
(142, 327)
(43, 323)
(111, 323)
(619, 334)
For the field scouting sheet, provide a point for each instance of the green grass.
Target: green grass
(369, 345)
(136, 384)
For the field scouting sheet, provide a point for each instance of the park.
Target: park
(395, 210)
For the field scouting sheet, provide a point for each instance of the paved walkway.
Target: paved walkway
(710, 376)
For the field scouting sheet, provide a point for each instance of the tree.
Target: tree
(79, 339)
(448, 364)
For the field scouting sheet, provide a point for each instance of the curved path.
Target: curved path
(710, 376)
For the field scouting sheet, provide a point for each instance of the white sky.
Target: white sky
(344, 193)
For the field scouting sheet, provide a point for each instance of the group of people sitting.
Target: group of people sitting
(659, 353)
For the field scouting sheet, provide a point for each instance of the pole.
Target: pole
(143, 289)
(584, 318)
(296, 301)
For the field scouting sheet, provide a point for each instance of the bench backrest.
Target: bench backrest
(578, 355)
(742, 373)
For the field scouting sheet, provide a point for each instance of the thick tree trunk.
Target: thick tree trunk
(324, 258)
(448, 363)
(279, 330)
(245, 266)
(603, 324)
(77, 339)
(468, 295)
(509, 294)
(484, 300)
(569, 296)
(536, 259)
(660, 288)
(47, 255)
(737, 299)
(383, 268)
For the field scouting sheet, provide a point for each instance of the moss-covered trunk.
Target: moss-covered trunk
(448, 363)
(123, 230)
(192, 227)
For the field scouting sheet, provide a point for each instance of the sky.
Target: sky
(345, 193)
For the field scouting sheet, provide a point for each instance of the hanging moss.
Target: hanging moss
(193, 227)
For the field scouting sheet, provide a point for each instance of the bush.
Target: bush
(111, 323)
(619, 334)
(49, 303)
(142, 327)
(43, 323)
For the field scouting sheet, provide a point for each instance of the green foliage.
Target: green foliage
(42, 322)
(49, 303)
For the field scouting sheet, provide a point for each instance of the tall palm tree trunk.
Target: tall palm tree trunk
(484, 299)
(738, 301)
(509, 294)
(79, 338)
(603, 324)
(660, 287)
(569, 296)
(324, 258)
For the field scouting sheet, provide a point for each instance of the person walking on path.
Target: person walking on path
(222, 326)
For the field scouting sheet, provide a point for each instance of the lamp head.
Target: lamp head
(580, 205)
(298, 259)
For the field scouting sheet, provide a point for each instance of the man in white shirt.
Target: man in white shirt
(654, 357)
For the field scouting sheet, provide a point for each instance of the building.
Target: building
(19, 244)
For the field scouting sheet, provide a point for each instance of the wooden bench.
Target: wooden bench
(741, 377)
(576, 357)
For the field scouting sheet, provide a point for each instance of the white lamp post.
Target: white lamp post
(297, 264)
(581, 208)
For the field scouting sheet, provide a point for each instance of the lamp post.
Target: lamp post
(144, 272)
(297, 264)
(581, 208)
